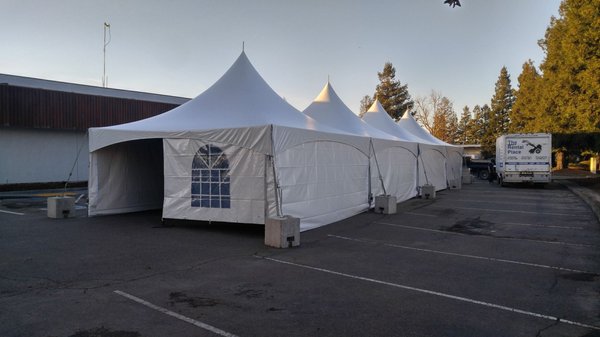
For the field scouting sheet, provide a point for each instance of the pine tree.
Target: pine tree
(570, 89)
(477, 124)
(498, 116)
(472, 131)
(526, 114)
(502, 103)
(463, 136)
(483, 131)
(453, 133)
(392, 95)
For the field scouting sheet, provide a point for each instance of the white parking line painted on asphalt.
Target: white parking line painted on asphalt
(484, 236)
(9, 212)
(176, 315)
(546, 204)
(540, 225)
(76, 207)
(492, 259)
(510, 211)
(549, 195)
(435, 293)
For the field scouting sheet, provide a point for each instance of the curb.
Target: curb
(588, 196)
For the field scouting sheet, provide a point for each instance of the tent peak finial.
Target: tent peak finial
(243, 43)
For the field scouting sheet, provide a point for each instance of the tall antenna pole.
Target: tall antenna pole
(104, 79)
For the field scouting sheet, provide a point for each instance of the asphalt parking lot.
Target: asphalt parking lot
(481, 261)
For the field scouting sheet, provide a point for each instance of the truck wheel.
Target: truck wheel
(484, 175)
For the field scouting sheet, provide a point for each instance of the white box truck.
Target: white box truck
(524, 157)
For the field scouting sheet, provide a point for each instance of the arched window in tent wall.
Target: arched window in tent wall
(210, 178)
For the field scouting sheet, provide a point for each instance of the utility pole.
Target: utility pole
(104, 78)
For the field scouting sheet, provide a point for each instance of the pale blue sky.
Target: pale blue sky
(182, 47)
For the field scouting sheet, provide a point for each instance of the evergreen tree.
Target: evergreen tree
(481, 130)
(502, 103)
(488, 139)
(477, 124)
(498, 116)
(365, 104)
(526, 114)
(463, 136)
(453, 133)
(471, 131)
(570, 87)
(392, 95)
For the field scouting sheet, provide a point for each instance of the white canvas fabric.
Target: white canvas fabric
(431, 155)
(126, 177)
(393, 162)
(235, 184)
(323, 182)
(237, 108)
(433, 163)
(258, 131)
(377, 117)
(453, 155)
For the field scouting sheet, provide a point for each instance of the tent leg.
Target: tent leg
(163, 223)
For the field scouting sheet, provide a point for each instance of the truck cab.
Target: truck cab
(479, 167)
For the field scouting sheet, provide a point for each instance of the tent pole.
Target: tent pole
(424, 169)
(378, 170)
(275, 181)
(266, 188)
(370, 194)
(277, 188)
(418, 180)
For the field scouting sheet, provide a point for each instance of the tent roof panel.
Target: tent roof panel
(377, 117)
(329, 109)
(239, 99)
(408, 123)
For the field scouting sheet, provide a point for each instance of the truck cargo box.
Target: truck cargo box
(524, 157)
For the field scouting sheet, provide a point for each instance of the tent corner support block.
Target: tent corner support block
(61, 207)
(282, 232)
(428, 192)
(385, 204)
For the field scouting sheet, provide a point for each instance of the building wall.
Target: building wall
(38, 155)
(50, 109)
(43, 125)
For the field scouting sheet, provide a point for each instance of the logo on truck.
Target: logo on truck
(515, 148)
(534, 148)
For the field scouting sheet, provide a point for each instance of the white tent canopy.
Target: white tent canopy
(329, 109)
(393, 161)
(236, 153)
(432, 156)
(454, 153)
